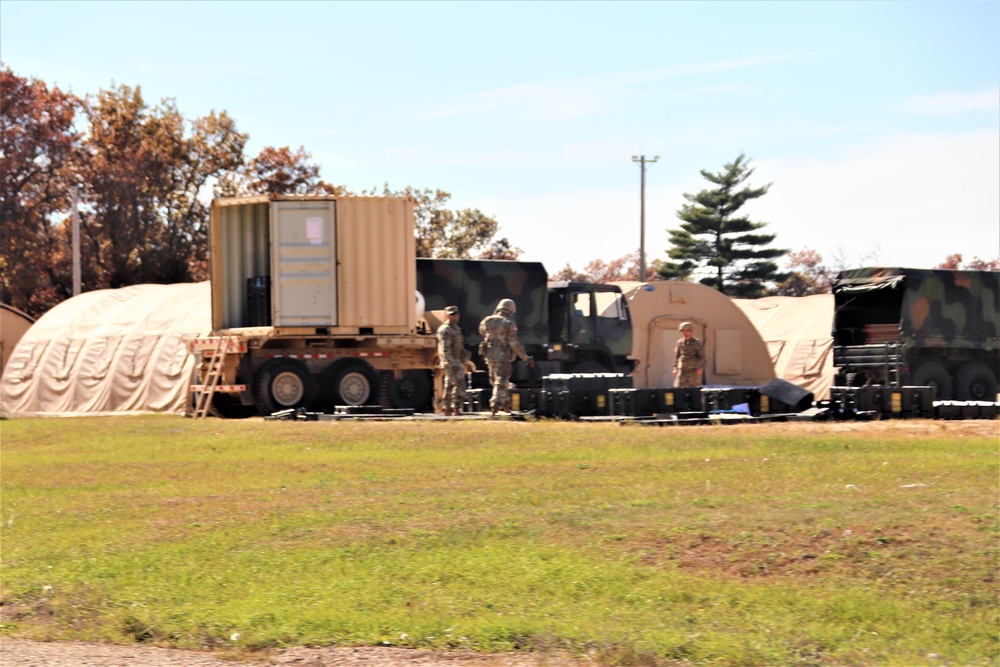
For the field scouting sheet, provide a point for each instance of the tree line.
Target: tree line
(142, 176)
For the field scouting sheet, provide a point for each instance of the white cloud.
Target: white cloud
(577, 97)
(946, 104)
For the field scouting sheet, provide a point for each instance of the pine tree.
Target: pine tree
(713, 238)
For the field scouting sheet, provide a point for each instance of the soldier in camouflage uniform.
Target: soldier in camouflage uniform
(455, 360)
(500, 347)
(689, 358)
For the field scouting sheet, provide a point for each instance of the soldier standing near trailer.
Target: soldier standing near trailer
(689, 358)
(455, 360)
(499, 347)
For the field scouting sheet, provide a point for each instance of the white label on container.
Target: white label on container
(314, 230)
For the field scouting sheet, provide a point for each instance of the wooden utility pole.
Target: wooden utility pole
(77, 287)
(641, 159)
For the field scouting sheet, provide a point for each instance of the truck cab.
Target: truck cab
(590, 330)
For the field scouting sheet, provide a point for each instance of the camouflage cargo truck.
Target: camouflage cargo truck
(568, 327)
(919, 327)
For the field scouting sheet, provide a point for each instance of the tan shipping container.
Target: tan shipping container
(314, 264)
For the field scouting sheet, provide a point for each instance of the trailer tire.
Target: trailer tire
(933, 374)
(976, 382)
(412, 391)
(281, 384)
(348, 382)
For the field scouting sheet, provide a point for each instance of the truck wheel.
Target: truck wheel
(348, 382)
(412, 391)
(976, 382)
(933, 374)
(281, 384)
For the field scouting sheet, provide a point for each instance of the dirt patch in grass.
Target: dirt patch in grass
(880, 429)
(875, 552)
(25, 653)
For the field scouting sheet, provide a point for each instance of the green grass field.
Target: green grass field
(785, 544)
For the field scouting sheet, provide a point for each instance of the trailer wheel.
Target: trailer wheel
(933, 374)
(348, 382)
(412, 391)
(976, 382)
(281, 384)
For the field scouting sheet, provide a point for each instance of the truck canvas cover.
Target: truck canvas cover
(476, 286)
(937, 307)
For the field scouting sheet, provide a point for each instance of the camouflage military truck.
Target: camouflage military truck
(568, 327)
(917, 327)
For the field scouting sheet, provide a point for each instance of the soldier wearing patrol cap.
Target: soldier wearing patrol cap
(689, 358)
(500, 347)
(455, 360)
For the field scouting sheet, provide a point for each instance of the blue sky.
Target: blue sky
(878, 123)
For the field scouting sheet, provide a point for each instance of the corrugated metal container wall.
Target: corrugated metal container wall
(377, 263)
(240, 246)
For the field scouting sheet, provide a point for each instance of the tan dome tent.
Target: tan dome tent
(13, 325)
(737, 356)
(798, 333)
(109, 351)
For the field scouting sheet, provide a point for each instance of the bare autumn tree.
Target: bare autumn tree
(807, 275)
(38, 149)
(441, 232)
(145, 170)
(624, 268)
(213, 147)
(277, 171)
(975, 264)
(568, 274)
(500, 249)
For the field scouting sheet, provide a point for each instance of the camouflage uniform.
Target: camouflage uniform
(500, 348)
(454, 359)
(689, 358)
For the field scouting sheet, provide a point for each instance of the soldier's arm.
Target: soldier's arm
(466, 359)
(515, 344)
